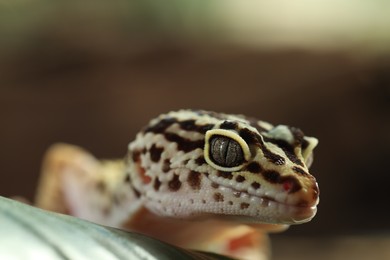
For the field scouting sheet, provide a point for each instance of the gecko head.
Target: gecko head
(231, 167)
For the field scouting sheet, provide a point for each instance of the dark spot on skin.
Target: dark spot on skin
(101, 186)
(236, 194)
(300, 171)
(136, 156)
(218, 197)
(161, 126)
(136, 192)
(254, 167)
(230, 202)
(184, 144)
(166, 167)
(190, 125)
(185, 162)
(305, 144)
(194, 179)
(267, 198)
(204, 201)
(287, 148)
(204, 128)
(249, 137)
(240, 178)
(283, 144)
(244, 205)
(274, 158)
(200, 160)
(157, 184)
(271, 176)
(191, 201)
(228, 125)
(252, 138)
(298, 135)
(215, 185)
(256, 185)
(127, 178)
(226, 175)
(174, 184)
(155, 153)
(292, 157)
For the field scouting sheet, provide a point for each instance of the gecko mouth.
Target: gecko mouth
(263, 208)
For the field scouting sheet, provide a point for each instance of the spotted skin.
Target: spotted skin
(171, 177)
(273, 183)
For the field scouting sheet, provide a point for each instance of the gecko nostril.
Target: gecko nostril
(291, 185)
(287, 185)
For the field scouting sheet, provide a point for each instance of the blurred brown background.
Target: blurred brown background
(93, 75)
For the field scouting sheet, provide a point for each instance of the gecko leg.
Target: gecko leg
(74, 182)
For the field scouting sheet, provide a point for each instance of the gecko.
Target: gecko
(194, 178)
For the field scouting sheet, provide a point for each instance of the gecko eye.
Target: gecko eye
(225, 151)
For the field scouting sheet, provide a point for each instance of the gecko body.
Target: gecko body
(187, 167)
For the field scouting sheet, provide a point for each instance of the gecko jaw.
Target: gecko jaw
(265, 208)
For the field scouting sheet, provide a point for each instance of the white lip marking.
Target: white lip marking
(288, 213)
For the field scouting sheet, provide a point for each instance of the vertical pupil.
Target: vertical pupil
(225, 151)
(231, 154)
(218, 149)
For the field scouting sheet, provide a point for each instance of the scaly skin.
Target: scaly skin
(192, 178)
